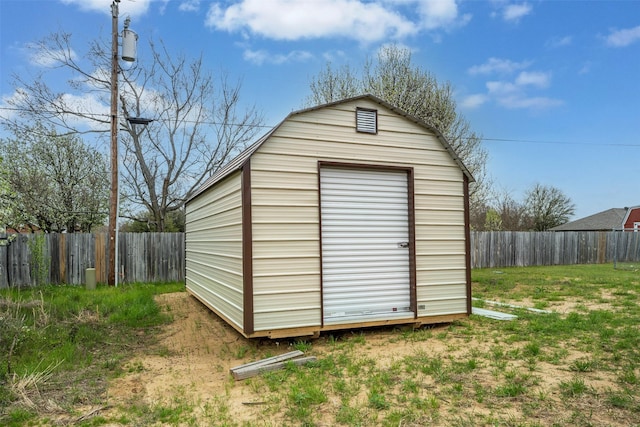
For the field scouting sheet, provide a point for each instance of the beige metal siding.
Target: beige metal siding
(285, 246)
(214, 249)
(440, 247)
(285, 210)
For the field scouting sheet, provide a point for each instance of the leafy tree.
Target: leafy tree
(395, 79)
(513, 214)
(493, 221)
(7, 198)
(547, 207)
(175, 222)
(198, 123)
(58, 182)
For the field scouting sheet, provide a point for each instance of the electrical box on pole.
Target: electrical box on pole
(129, 43)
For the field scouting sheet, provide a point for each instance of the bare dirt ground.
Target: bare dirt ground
(196, 351)
(193, 357)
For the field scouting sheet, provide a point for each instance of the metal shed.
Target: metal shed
(346, 215)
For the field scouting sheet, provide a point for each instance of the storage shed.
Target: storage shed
(346, 215)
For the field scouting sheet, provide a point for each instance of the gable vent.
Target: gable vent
(366, 120)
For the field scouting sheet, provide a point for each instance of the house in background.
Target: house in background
(627, 219)
(631, 220)
(346, 215)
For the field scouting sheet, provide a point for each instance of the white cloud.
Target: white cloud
(474, 101)
(48, 58)
(497, 65)
(189, 6)
(622, 38)
(260, 57)
(530, 103)
(586, 68)
(125, 8)
(514, 95)
(365, 21)
(559, 41)
(334, 55)
(291, 20)
(514, 92)
(514, 12)
(90, 105)
(533, 78)
(440, 14)
(9, 102)
(501, 88)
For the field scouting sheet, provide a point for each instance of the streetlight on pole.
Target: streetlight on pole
(128, 54)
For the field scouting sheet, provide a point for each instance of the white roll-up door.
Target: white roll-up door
(365, 245)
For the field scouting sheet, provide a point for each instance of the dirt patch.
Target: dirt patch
(606, 301)
(196, 351)
(194, 355)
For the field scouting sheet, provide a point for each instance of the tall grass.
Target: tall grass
(60, 336)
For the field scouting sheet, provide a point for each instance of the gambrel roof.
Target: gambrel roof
(240, 160)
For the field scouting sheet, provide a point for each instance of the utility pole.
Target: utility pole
(113, 194)
(129, 39)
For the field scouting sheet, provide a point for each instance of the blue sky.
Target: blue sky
(552, 86)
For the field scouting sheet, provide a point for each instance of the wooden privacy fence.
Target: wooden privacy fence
(160, 257)
(521, 249)
(35, 259)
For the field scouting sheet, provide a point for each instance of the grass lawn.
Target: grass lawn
(59, 345)
(579, 364)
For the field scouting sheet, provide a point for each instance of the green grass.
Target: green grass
(506, 367)
(66, 338)
(573, 387)
(575, 366)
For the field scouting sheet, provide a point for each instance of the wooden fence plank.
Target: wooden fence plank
(160, 257)
(100, 245)
(143, 257)
(62, 259)
(490, 249)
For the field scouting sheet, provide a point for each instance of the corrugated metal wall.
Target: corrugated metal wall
(285, 210)
(285, 242)
(214, 248)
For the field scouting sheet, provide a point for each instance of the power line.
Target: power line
(534, 141)
(488, 139)
(107, 117)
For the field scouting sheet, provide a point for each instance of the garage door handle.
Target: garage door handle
(403, 244)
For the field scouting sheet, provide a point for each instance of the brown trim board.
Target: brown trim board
(247, 250)
(412, 242)
(320, 247)
(467, 239)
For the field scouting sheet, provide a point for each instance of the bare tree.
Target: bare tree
(58, 182)
(513, 214)
(198, 124)
(395, 79)
(548, 207)
(198, 127)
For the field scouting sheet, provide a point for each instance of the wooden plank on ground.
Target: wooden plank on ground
(267, 361)
(493, 314)
(252, 372)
